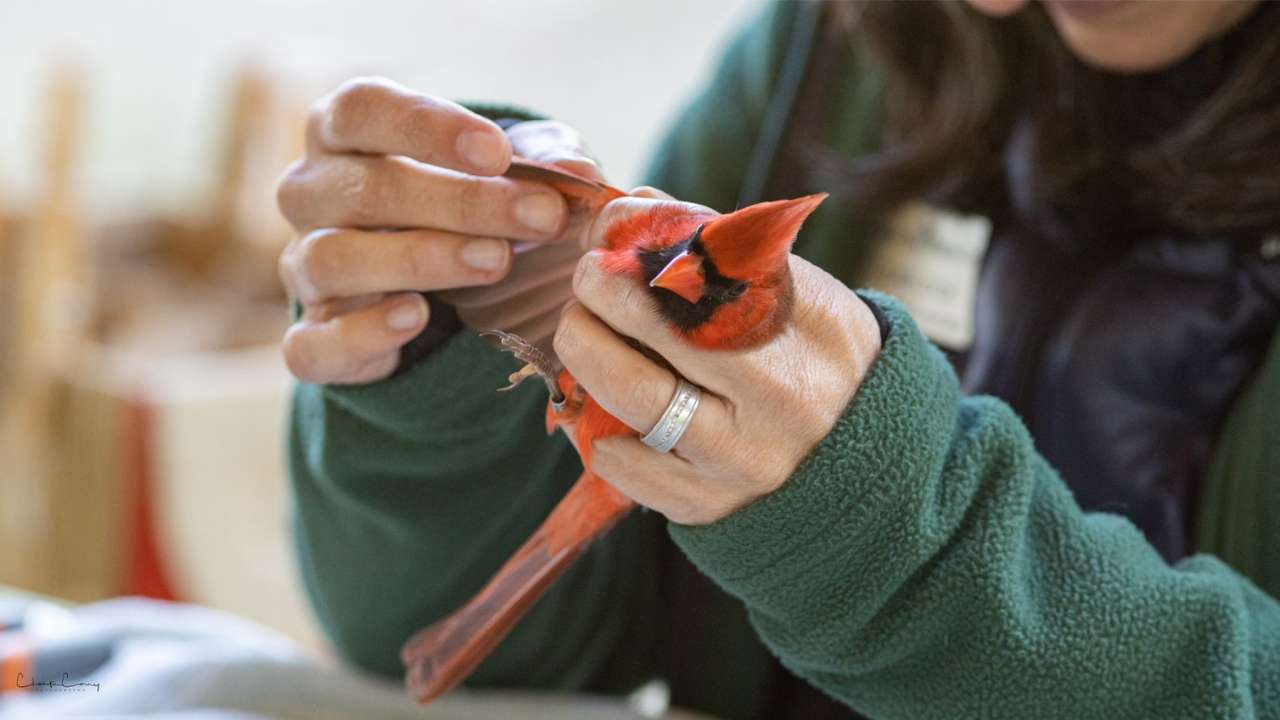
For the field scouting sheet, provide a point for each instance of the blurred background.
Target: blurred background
(142, 395)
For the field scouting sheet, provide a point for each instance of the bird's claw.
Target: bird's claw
(537, 363)
(519, 376)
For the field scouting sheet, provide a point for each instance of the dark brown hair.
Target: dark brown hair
(1195, 147)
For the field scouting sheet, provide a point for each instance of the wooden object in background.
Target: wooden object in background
(173, 355)
(48, 313)
(197, 249)
(88, 491)
(8, 258)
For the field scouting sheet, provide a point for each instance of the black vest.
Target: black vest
(1124, 369)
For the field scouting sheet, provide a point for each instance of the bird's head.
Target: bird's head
(722, 280)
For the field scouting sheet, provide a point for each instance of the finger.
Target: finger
(508, 315)
(630, 386)
(354, 347)
(560, 145)
(625, 304)
(380, 192)
(611, 217)
(663, 482)
(332, 263)
(555, 143)
(378, 116)
(531, 267)
(649, 192)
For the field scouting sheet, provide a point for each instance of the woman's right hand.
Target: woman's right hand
(401, 192)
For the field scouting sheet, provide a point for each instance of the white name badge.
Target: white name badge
(930, 260)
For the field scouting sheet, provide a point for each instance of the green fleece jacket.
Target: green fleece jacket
(923, 561)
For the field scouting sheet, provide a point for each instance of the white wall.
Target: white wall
(158, 72)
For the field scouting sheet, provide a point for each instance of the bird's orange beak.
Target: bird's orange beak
(682, 276)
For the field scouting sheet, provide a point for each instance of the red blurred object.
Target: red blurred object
(144, 569)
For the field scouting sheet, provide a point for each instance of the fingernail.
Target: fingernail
(486, 255)
(539, 212)
(484, 150)
(406, 315)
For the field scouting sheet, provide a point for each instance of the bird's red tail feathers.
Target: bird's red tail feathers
(442, 655)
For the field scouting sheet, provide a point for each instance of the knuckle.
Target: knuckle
(290, 191)
(423, 261)
(649, 397)
(315, 259)
(584, 275)
(362, 192)
(421, 121)
(316, 116)
(351, 104)
(472, 202)
(629, 294)
(285, 267)
(567, 340)
(718, 444)
(299, 357)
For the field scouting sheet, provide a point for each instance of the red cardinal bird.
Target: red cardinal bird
(722, 281)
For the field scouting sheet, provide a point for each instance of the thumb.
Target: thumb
(578, 164)
(556, 144)
(650, 192)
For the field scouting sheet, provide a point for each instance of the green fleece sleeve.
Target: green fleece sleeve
(925, 562)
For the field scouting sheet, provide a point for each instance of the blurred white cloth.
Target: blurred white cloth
(171, 660)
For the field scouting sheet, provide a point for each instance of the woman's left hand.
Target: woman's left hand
(763, 409)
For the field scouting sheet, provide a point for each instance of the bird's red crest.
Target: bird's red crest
(755, 241)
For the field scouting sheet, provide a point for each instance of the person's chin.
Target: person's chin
(1113, 35)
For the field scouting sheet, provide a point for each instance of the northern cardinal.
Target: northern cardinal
(723, 282)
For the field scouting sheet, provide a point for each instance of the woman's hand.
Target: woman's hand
(762, 411)
(402, 192)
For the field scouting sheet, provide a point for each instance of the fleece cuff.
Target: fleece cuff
(447, 401)
(841, 500)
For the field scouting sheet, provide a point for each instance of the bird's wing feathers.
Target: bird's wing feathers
(576, 188)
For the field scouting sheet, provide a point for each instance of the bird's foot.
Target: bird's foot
(537, 363)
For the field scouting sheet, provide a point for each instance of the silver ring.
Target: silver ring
(675, 420)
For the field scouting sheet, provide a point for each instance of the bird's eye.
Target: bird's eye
(694, 243)
(735, 290)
